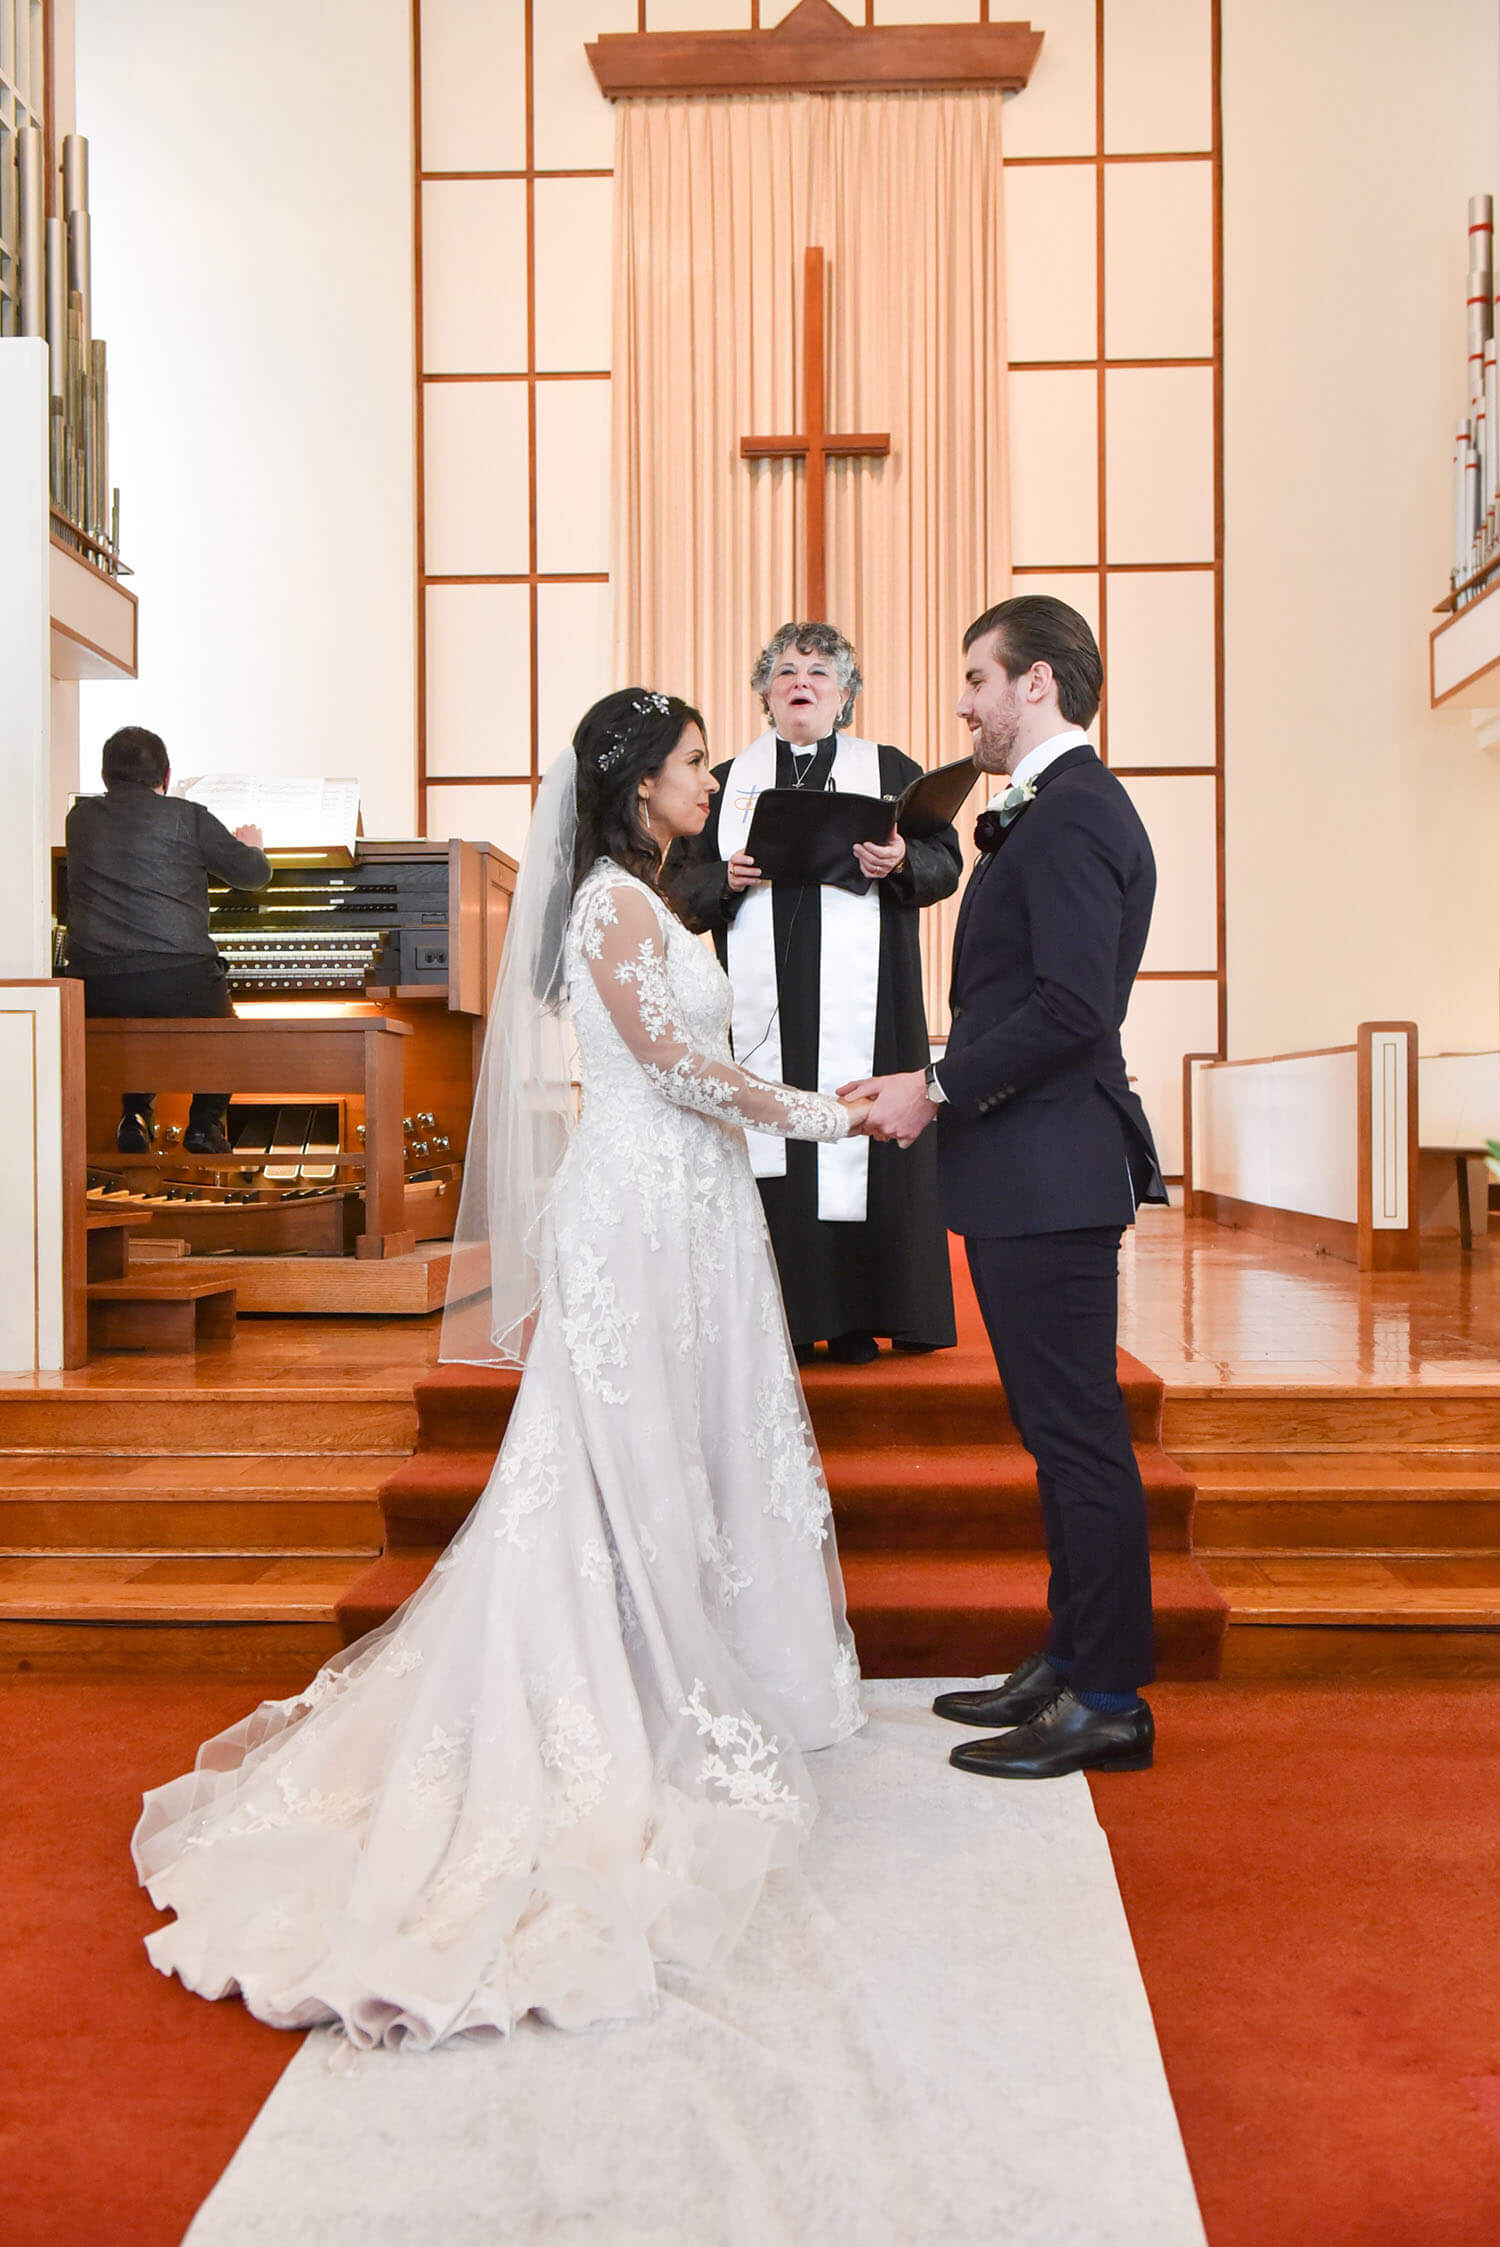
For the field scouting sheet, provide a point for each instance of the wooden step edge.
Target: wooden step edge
(288, 1607)
(1327, 1392)
(207, 1492)
(1403, 1459)
(254, 1653)
(1303, 1654)
(1422, 1488)
(1483, 1623)
(359, 1556)
(150, 1284)
(1209, 1553)
(97, 1395)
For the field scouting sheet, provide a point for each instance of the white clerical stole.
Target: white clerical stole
(848, 977)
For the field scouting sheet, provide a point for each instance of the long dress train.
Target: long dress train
(575, 1753)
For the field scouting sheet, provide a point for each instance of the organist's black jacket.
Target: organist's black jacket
(1040, 1131)
(138, 868)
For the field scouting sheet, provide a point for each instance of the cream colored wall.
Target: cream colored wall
(251, 188)
(1362, 825)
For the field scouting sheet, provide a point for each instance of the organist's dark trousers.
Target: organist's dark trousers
(181, 986)
(1050, 1303)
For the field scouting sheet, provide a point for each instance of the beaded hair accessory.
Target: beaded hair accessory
(642, 706)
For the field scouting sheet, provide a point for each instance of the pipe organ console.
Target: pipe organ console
(361, 982)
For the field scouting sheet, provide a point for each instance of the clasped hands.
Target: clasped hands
(889, 1107)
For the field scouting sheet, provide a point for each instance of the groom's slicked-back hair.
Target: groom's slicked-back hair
(1038, 628)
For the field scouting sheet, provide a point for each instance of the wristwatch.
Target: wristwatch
(935, 1092)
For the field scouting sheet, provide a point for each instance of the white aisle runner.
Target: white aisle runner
(937, 2038)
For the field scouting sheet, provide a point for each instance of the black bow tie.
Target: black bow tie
(988, 832)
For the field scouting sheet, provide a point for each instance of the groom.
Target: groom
(1043, 1154)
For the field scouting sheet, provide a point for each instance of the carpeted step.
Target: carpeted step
(967, 1614)
(954, 1395)
(464, 1407)
(920, 1614)
(428, 1497)
(973, 1497)
(375, 1594)
(981, 1496)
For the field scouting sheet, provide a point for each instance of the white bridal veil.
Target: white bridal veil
(525, 1103)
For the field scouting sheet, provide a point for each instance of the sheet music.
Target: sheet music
(291, 814)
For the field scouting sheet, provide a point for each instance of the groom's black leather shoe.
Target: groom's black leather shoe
(1064, 1737)
(1025, 1693)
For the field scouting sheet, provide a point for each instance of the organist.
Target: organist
(139, 862)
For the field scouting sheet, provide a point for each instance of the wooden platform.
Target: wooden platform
(390, 1287)
(1343, 1432)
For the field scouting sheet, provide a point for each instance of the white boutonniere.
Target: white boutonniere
(1014, 800)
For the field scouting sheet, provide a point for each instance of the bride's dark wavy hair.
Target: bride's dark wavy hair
(624, 739)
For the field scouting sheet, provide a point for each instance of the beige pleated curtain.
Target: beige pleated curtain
(716, 201)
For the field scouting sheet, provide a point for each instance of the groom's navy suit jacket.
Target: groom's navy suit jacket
(1040, 1131)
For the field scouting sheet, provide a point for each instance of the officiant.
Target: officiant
(821, 976)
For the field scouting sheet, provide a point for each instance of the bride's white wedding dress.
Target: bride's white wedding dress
(574, 1754)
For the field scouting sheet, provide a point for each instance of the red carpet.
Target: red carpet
(1312, 1878)
(124, 2098)
(934, 1498)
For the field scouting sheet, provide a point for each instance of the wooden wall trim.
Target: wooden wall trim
(1331, 1236)
(1306, 1053)
(816, 50)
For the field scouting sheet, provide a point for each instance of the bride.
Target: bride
(575, 1753)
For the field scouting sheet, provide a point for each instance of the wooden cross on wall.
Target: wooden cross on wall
(817, 446)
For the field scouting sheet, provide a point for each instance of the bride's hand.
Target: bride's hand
(858, 1112)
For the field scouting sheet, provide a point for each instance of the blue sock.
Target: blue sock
(1108, 1704)
(1062, 1663)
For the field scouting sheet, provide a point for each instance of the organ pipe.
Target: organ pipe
(56, 300)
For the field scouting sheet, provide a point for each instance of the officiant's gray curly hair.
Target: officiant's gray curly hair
(811, 639)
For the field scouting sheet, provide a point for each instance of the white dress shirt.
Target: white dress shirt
(1047, 752)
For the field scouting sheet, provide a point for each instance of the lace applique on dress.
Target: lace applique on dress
(436, 1775)
(572, 1749)
(796, 1491)
(503, 1850)
(532, 1460)
(849, 1713)
(744, 1764)
(594, 1564)
(596, 1329)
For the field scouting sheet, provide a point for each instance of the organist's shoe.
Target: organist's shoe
(205, 1139)
(134, 1132)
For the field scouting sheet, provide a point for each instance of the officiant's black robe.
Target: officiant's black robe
(890, 1275)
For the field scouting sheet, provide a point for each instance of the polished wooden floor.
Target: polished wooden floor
(1210, 1309)
(1343, 1430)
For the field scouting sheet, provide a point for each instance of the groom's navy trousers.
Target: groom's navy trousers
(1049, 1302)
(1043, 1154)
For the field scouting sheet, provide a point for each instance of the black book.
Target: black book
(809, 837)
